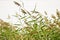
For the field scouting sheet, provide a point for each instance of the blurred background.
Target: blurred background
(7, 7)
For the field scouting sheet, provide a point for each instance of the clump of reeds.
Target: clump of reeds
(38, 28)
(8, 32)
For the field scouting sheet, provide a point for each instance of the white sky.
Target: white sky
(8, 7)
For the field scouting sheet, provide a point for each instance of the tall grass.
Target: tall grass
(37, 27)
(8, 32)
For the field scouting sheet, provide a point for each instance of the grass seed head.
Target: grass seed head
(53, 17)
(16, 3)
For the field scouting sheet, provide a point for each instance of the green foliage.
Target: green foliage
(38, 28)
(8, 32)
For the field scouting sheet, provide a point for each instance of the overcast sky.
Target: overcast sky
(8, 7)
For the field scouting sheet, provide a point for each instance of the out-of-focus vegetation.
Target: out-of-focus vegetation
(37, 27)
(8, 32)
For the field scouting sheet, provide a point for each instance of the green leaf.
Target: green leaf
(35, 25)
